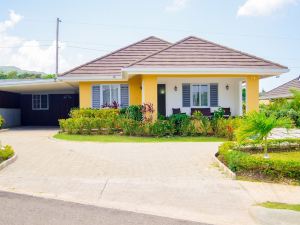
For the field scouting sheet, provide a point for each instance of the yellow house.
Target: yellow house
(192, 74)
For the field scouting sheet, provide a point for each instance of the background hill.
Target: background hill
(13, 72)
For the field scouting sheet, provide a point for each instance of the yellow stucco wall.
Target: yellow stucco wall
(85, 95)
(252, 93)
(135, 91)
(85, 91)
(149, 91)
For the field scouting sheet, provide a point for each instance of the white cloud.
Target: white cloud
(30, 54)
(262, 7)
(11, 22)
(176, 5)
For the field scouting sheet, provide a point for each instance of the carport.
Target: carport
(36, 102)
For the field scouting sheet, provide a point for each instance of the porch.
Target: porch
(183, 92)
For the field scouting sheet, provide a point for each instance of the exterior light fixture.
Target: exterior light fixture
(175, 88)
(227, 87)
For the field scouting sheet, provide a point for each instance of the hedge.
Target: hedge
(130, 121)
(244, 163)
(6, 152)
(1, 121)
(95, 113)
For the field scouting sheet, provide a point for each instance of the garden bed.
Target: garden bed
(132, 121)
(6, 154)
(282, 167)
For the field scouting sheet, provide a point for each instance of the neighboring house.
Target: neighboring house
(192, 73)
(282, 91)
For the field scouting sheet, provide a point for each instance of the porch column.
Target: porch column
(85, 92)
(252, 93)
(135, 90)
(149, 91)
(240, 86)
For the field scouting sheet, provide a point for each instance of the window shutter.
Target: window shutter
(214, 95)
(96, 103)
(186, 95)
(124, 95)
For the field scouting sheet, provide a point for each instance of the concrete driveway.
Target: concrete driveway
(169, 179)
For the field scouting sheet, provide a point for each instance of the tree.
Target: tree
(295, 102)
(12, 75)
(258, 126)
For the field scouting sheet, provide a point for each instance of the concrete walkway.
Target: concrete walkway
(279, 133)
(168, 179)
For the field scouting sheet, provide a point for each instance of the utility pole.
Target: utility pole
(57, 30)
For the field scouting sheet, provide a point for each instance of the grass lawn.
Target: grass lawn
(118, 138)
(278, 205)
(286, 156)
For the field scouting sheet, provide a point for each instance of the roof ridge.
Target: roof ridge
(213, 43)
(157, 52)
(111, 53)
(241, 52)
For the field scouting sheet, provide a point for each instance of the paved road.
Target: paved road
(19, 209)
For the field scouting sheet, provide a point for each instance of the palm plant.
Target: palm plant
(258, 126)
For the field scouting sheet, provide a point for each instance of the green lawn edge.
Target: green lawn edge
(124, 139)
(279, 205)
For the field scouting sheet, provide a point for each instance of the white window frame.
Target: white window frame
(101, 93)
(40, 99)
(208, 95)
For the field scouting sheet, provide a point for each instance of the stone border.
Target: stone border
(4, 129)
(224, 168)
(8, 161)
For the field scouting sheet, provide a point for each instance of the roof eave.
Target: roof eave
(233, 71)
(7, 83)
(275, 96)
(88, 77)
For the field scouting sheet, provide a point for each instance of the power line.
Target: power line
(26, 46)
(134, 27)
(92, 49)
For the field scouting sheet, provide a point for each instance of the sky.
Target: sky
(91, 28)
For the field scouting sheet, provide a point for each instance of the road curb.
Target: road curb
(8, 161)
(224, 168)
(266, 216)
(4, 129)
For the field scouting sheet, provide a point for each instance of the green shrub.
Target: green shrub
(134, 112)
(161, 128)
(226, 127)
(6, 152)
(244, 163)
(219, 113)
(1, 121)
(285, 108)
(186, 128)
(179, 120)
(95, 113)
(132, 127)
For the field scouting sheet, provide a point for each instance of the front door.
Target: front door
(161, 99)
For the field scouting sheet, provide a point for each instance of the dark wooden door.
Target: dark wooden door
(161, 99)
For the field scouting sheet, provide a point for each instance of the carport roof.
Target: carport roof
(36, 85)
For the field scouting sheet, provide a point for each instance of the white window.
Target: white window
(40, 102)
(106, 94)
(110, 93)
(200, 95)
